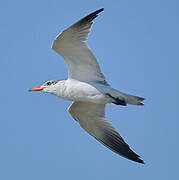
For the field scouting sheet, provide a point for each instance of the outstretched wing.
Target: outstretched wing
(91, 117)
(71, 45)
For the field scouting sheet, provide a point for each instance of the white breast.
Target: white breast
(81, 91)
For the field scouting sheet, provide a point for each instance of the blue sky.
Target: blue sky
(136, 44)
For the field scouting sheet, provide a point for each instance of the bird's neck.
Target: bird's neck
(59, 89)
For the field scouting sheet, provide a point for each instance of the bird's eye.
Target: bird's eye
(48, 83)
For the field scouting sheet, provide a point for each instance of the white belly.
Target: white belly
(81, 91)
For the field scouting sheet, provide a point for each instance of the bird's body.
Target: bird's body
(87, 88)
(75, 90)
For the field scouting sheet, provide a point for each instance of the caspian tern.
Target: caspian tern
(87, 88)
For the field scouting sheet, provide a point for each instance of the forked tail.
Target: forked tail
(135, 100)
(124, 99)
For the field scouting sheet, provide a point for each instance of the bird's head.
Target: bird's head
(48, 86)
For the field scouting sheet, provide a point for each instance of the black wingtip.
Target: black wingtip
(99, 10)
(131, 155)
(115, 142)
(95, 13)
(134, 157)
(90, 17)
(140, 161)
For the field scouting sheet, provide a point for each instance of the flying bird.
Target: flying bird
(88, 89)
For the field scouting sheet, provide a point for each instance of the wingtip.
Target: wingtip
(135, 157)
(143, 162)
(95, 13)
(100, 10)
(140, 161)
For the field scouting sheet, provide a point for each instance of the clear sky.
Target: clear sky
(136, 43)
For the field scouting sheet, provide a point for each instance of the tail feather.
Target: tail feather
(121, 98)
(136, 100)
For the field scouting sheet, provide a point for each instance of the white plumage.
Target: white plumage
(87, 88)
